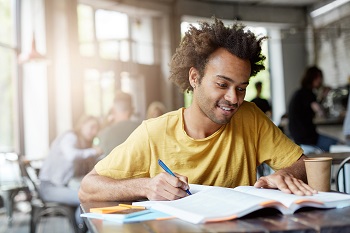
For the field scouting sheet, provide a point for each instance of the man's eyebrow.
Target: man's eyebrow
(230, 79)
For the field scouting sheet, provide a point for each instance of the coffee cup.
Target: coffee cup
(318, 171)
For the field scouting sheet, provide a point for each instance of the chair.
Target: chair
(41, 208)
(263, 170)
(342, 178)
(11, 184)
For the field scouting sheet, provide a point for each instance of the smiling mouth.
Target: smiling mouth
(227, 109)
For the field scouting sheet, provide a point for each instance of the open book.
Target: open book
(210, 204)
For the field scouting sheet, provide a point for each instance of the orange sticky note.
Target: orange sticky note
(132, 206)
(107, 210)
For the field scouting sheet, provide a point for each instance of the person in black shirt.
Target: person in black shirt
(302, 109)
(263, 104)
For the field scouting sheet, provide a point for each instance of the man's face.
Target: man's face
(223, 86)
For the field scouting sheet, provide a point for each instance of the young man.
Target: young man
(219, 140)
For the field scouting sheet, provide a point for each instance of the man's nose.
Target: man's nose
(231, 96)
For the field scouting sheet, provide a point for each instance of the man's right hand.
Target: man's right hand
(167, 187)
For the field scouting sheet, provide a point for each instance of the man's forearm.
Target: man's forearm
(95, 188)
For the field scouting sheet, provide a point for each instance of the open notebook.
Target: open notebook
(209, 203)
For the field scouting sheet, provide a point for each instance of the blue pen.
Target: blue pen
(160, 162)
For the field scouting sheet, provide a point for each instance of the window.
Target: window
(86, 30)
(113, 37)
(142, 40)
(113, 44)
(264, 75)
(8, 76)
(98, 92)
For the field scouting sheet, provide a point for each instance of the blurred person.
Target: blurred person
(218, 140)
(68, 152)
(155, 109)
(302, 110)
(262, 103)
(120, 123)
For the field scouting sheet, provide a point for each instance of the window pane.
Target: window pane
(110, 50)
(111, 25)
(142, 37)
(87, 49)
(7, 22)
(108, 90)
(124, 50)
(92, 95)
(99, 89)
(7, 74)
(264, 75)
(86, 29)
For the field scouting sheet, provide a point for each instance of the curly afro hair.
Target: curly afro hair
(199, 43)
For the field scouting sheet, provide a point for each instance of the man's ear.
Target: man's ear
(193, 77)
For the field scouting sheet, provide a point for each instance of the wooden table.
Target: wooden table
(306, 220)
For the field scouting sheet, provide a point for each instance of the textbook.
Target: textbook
(212, 204)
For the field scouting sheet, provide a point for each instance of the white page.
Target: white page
(211, 204)
(326, 199)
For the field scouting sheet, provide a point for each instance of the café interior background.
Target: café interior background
(90, 48)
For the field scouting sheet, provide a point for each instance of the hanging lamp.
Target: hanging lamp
(33, 55)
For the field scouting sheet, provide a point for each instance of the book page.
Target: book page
(213, 204)
(294, 202)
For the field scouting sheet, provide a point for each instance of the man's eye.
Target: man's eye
(241, 89)
(222, 85)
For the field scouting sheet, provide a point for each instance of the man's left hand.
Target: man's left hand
(285, 182)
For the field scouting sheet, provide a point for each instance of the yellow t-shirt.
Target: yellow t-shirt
(228, 157)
